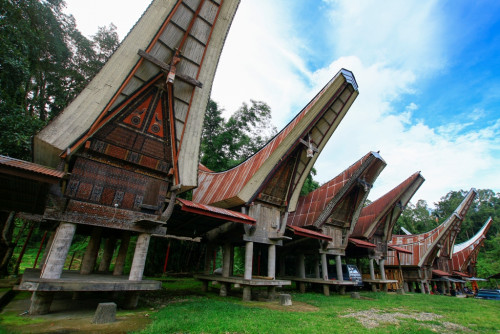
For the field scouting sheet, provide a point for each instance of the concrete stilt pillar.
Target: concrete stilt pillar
(90, 256)
(382, 269)
(405, 287)
(443, 288)
(271, 292)
(46, 250)
(338, 265)
(342, 290)
(372, 270)
(226, 260)
(131, 300)
(428, 291)
(412, 286)
(422, 287)
(326, 289)
(301, 266)
(316, 268)
(271, 261)
(247, 293)
(109, 249)
(223, 289)
(248, 261)
(40, 302)
(324, 267)
(58, 251)
(122, 254)
(448, 287)
(139, 261)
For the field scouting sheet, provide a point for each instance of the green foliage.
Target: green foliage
(309, 184)
(44, 62)
(225, 144)
(416, 218)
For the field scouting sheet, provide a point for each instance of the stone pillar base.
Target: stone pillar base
(271, 292)
(40, 302)
(326, 289)
(302, 287)
(247, 293)
(342, 290)
(131, 300)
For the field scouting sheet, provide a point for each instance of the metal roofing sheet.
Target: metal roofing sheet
(440, 272)
(362, 243)
(400, 249)
(372, 214)
(310, 234)
(30, 167)
(311, 206)
(215, 212)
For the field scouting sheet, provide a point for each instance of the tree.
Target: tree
(416, 218)
(44, 63)
(225, 144)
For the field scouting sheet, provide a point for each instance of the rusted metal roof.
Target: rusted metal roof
(400, 249)
(440, 272)
(458, 273)
(8, 165)
(362, 243)
(316, 207)
(382, 214)
(466, 252)
(425, 246)
(309, 233)
(314, 124)
(207, 210)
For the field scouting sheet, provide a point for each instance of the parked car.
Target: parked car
(349, 271)
(488, 294)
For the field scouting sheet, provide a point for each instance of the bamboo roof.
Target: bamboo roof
(466, 251)
(426, 246)
(382, 214)
(342, 197)
(284, 159)
(197, 28)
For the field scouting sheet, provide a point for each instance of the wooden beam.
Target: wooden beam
(165, 67)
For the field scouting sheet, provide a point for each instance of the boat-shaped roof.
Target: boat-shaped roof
(465, 251)
(196, 29)
(284, 163)
(425, 246)
(339, 198)
(384, 212)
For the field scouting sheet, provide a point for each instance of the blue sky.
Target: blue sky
(428, 75)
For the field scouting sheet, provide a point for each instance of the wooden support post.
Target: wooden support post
(226, 260)
(122, 254)
(338, 264)
(47, 249)
(166, 258)
(109, 249)
(248, 260)
(140, 254)
(316, 268)
(324, 267)
(282, 265)
(90, 256)
(385, 287)
(301, 266)
(271, 261)
(58, 252)
(372, 270)
(443, 288)
(381, 264)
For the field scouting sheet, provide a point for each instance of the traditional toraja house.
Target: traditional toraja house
(128, 144)
(268, 184)
(324, 220)
(375, 225)
(431, 251)
(463, 260)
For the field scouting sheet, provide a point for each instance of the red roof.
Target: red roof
(361, 243)
(373, 214)
(311, 206)
(30, 167)
(212, 211)
(440, 272)
(309, 233)
(458, 273)
(400, 249)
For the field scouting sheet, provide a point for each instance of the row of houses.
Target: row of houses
(113, 164)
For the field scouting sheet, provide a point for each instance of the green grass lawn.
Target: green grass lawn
(315, 313)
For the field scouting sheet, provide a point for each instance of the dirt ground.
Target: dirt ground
(373, 318)
(72, 316)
